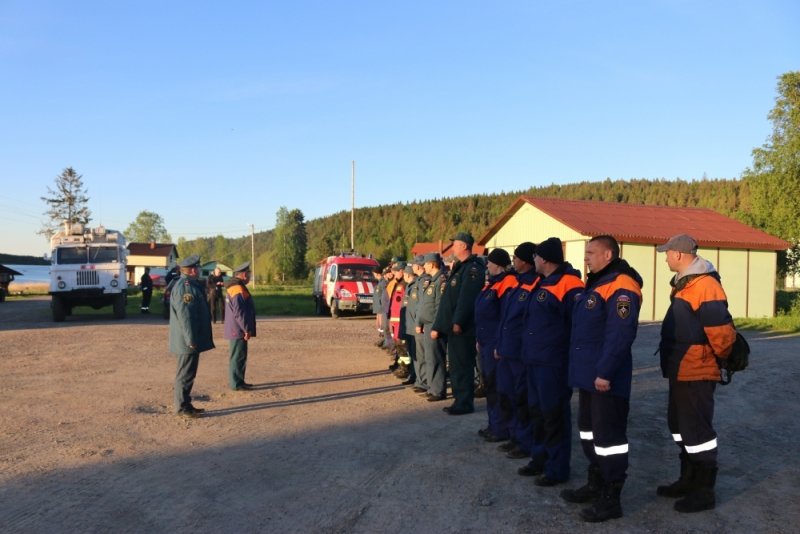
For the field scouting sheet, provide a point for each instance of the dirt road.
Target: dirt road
(330, 442)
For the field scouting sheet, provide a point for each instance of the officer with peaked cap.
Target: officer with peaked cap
(189, 332)
(431, 290)
(240, 325)
(455, 321)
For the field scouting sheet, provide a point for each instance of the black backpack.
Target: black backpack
(736, 361)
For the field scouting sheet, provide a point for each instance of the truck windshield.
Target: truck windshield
(103, 255)
(359, 273)
(79, 255)
(71, 255)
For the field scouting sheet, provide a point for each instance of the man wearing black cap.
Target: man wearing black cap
(512, 387)
(455, 321)
(240, 325)
(189, 332)
(545, 354)
(487, 320)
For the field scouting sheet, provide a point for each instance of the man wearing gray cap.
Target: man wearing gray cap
(697, 330)
(189, 332)
(455, 321)
(240, 325)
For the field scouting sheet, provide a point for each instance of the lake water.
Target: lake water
(32, 274)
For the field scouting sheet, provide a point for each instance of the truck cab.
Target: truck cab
(87, 269)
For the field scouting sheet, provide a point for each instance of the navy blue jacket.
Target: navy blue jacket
(604, 324)
(548, 320)
(512, 321)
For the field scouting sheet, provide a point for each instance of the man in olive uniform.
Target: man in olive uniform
(189, 332)
(240, 325)
(455, 320)
(435, 349)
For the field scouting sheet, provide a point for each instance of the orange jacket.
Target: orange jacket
(697, 329)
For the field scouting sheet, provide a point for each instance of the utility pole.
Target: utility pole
(353, 208)
(253, 254)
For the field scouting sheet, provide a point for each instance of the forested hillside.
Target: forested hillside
(391, 230)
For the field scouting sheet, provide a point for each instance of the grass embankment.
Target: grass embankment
(269, 301)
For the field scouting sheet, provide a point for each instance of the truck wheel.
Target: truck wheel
(119, 307)
(59, 311)
(335, 311)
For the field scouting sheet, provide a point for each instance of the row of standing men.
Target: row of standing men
(536, 331)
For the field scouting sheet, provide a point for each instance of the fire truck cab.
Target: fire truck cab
(344, 283)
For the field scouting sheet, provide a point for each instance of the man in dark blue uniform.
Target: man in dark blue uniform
(146, 284)
(545, 354)
(240, 325)
(605, 320)
(455, 321)
(487, 320)
(189, 332)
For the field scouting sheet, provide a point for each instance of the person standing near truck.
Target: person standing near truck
(146, 284)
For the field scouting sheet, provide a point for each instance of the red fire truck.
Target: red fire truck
(344, 283)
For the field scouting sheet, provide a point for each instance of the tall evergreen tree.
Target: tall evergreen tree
(66, 203)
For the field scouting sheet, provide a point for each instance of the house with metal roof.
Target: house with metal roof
(160, 257)
(745, 257)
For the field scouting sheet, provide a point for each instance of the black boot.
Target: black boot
(587, 493)
(701, 496)
(681, 487)
(607, 506)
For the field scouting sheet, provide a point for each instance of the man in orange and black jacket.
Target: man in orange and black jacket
(697, 330)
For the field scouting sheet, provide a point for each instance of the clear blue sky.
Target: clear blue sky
(216, 114)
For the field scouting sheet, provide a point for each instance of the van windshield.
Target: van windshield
(358, 273)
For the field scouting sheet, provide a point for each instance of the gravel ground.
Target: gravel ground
(330, 442)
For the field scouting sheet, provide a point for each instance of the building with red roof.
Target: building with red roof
(745, 257)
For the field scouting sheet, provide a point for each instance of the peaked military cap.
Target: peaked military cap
(466, 237)
(190, 261)
(243, 267)
(432, 257)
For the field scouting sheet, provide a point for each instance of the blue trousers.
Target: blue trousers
(512, 388)
(549, 407)
(489, 370)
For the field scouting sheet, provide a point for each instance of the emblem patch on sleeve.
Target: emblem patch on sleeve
(623, 306)
(187, 298)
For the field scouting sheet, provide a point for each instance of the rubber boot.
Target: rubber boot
(701, 495)
(588, 492)
(681, 487)
(607, 506)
